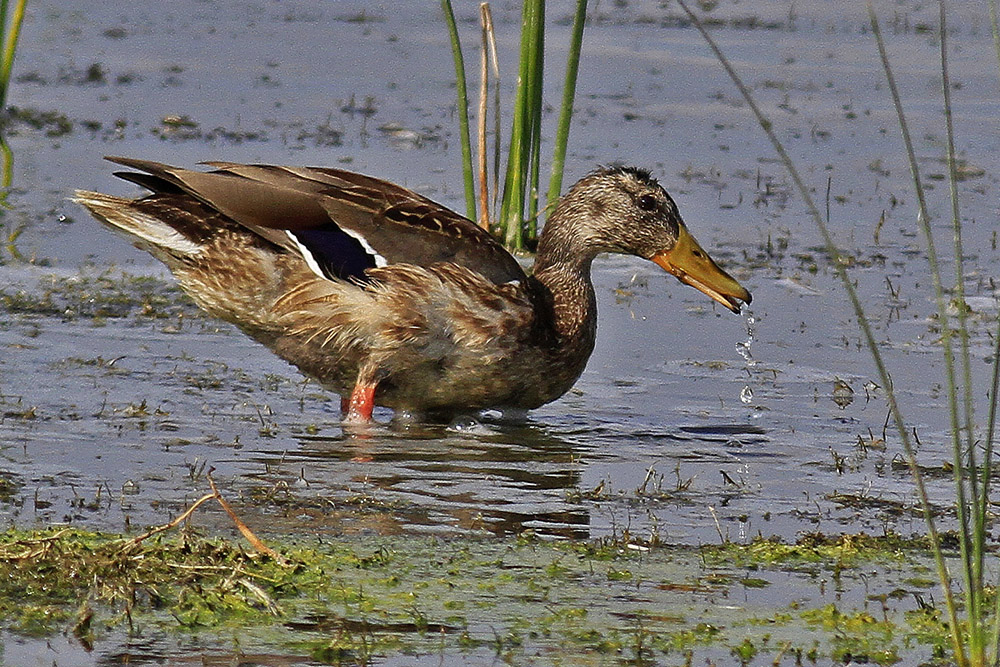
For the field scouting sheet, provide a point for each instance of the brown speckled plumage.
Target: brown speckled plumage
(446, 321)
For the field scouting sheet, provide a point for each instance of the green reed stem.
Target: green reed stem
(863, 322)
(3, 25)
(566, 110)
(10, 39)
(463, 110)
(522, 126)
(530, 230)
(512, 204)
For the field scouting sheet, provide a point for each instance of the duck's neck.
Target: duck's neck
(564, 272)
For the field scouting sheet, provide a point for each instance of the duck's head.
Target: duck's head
(625, 210)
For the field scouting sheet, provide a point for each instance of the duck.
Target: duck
(389, 299)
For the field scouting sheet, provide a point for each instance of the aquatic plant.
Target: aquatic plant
(517, 220)
(8, 43)
(975, 637)
(463, 107)
(8, 46)
(350, 598)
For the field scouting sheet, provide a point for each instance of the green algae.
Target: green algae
(347, 600)
(835, 551)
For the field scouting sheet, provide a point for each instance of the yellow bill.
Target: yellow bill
(692, 266)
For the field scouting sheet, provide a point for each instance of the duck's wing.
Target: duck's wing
(343, 223)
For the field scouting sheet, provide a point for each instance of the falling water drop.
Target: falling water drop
(743, 349)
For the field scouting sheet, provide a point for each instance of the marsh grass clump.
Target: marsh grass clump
(516, 221)
(48, 576)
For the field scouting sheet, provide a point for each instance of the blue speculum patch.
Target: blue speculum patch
(338, 254)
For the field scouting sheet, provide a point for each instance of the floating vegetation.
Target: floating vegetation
(362, 597)
(94, 74)
(52, 123)
(108, 294)
(183, 128)
(845, 550)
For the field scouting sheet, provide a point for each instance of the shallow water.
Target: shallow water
(114, 421)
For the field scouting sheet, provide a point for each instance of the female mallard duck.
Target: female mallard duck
(387, 298)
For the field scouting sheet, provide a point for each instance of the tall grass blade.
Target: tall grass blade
(463, 110)
(983, 502)
(566, 108)
(971, 538)
(923, 221)
(923, 218)
(863, 323)
(10, 39)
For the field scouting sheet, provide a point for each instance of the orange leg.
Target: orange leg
(358, 408)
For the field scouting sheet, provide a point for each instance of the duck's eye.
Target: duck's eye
(647, 203)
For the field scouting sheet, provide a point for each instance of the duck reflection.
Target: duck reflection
(499, 478)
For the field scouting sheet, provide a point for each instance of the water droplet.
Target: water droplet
(743, 347)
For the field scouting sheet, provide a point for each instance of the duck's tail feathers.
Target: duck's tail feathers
(145, 231)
